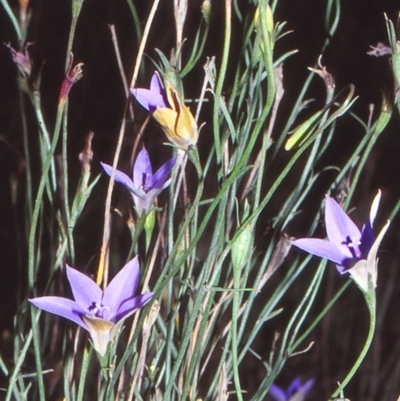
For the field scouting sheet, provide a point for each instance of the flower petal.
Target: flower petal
(339, 226)
(85, 290)
(367, 232)
(186, 127)
(324, 249)
(132, 304)
(359, 274)
(161, 174)
(149, 100)
(123, 179)
(277, 393)
(62, 307)
(156, 85)
(294, 387)
(367, 239)
(153, 98)
(167, 118)
(178, 123)
(143, 206)
(305, 388)
(121, 288)
(372, 255)
(142, 171)
(374, 207)
(366, 270)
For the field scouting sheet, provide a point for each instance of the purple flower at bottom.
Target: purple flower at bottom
(297, 391)
(96, 311)
(144, 185)
(353, 251)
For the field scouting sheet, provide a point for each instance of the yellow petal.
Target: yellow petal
(186, 128)
(167, 118)
(177, 122)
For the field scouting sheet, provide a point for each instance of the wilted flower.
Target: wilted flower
(144, 187)
(170, 112)
(379, 50)
(297, 391)
(22, 59)
(353, 251)
(72, 76)
(96, 311)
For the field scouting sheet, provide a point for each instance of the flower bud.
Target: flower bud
(206, 10)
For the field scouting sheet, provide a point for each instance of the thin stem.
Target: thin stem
(65, 191)
(102, 271)
(76, 10)
(13, 20)
(221, 78)
(39, 196)
(370, 299)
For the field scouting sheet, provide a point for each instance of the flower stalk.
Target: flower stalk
(370, 300)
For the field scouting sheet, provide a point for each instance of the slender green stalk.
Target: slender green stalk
(13, 20)
(370, 299)
(17, 368)
(67, 213)
(102, 271)
(38, 356)
(84, 370)
(38, 201)
(211, 275)
(76, 10)
(28, 167)
(221, 79)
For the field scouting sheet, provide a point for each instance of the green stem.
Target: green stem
(234, 335)
(37, 351)
(221, 79)
(65, 187)
(370, 299)
(38, 200)
(28, 169)
(13, 21)
(76, 10)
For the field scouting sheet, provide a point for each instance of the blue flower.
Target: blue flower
(144, 185)
(96, 311)
(297, 391)
(151, 98)
(353, 251)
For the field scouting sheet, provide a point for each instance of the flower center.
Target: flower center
(145, 183)
(354, 247)
(98, 310)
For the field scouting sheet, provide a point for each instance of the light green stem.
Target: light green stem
(370, 299)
